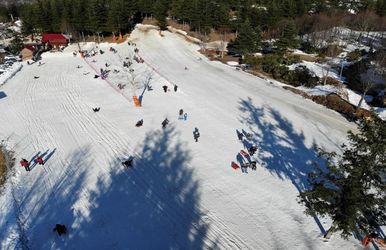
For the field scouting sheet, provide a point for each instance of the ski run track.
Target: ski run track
(180, 194)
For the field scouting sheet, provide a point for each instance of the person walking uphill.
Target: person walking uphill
(24, 163)
(196, 134)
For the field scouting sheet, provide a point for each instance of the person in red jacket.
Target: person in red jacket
(40, 160)
(24, 163)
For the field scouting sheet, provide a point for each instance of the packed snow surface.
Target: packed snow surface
(180, 194)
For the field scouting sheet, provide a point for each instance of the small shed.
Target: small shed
(55, 40)
(27, 53)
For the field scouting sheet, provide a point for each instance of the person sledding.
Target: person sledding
(165, 122)
(128, 163)
(96, 109)
(39, 160)
(139, 123)
(24, 163)
(60, 229)
(196, 134)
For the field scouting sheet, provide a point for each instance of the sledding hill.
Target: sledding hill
(181, 194)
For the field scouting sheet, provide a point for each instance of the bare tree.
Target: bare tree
(368, 81)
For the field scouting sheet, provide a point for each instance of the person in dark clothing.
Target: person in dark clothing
(139, 123)
(253, 165)
(240, 135)
(36, 77)
(181, 112)
(96, 76)
(24, 163)
(252, 150)
(60, 229)
(165, 122)
(196, 134)
(96, 109)
(165, 88)
(128, 163)
(175, 88)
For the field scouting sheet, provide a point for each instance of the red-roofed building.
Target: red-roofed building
(55, 40)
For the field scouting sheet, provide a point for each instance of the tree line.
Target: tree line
(106, 16)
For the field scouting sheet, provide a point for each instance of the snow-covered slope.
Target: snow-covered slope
(180, 194)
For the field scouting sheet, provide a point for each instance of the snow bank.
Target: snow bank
(231, 63)
(146, 27)
(354, 99)
(318, 69)
(184, 34)
(10, 72)
(319, 90)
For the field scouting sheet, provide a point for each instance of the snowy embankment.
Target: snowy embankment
(181, 194)
(10, 72)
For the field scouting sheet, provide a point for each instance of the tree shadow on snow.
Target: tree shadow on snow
(281, 149)
(48, 201)
(153, 205)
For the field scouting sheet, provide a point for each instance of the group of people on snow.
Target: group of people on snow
(26, 164)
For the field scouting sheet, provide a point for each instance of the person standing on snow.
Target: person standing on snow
(196, 134)
(165, 122)
(175, 88)
(60, 229)
(165, 88)
(128, 163)
(39, 160)
(24, 163)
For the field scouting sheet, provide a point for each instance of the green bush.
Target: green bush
(301, 76)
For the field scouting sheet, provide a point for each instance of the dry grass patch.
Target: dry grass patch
(3, 167)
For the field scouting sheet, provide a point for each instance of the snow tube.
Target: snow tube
(235, 166)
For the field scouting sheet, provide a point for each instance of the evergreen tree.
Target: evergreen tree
(351, 190)
(248, 40)
(160, 13)
(16, 44)
(380, 7)
(288, 37)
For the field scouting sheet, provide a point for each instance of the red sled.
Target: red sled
(243, 153)
(235, 166)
